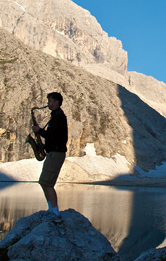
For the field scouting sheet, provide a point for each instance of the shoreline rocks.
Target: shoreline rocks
(73, 239)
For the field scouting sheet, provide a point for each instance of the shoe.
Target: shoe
(44, 213)
(52, 217)
(47, 213)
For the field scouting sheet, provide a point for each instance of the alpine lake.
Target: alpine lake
(133, 219)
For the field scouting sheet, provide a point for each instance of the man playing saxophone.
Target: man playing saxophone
(56, 137)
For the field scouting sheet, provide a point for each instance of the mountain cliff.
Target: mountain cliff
(98, 110)
(28, 75)
(58, 46)
(64, 30)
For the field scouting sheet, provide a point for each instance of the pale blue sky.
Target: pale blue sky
(140, 25)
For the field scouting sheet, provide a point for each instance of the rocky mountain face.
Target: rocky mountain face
(26, 78)
(64, 30)
(66, 50)
(98, 110)
(149, 90)
(67, 31)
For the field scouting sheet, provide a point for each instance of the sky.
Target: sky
(141, 27)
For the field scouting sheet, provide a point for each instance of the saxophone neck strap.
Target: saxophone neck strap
(48, 122)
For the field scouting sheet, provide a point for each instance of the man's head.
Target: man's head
(55, 100)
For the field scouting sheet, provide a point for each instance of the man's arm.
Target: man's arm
(37, 129)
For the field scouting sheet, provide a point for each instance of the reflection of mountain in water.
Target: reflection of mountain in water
(108, 209)
(147, 227)
(17, 200)
(130, 219)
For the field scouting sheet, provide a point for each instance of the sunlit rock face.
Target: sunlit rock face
(64, 30)
(149, 90)
(99, 112)
(94, 115)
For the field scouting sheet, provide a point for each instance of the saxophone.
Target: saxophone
(36, 143)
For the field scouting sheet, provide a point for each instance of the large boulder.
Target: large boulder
(73, 239)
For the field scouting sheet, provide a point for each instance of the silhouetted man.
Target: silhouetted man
(56, 137)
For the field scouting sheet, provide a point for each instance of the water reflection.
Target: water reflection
(133, 220)
(147, 227)
(108, 209)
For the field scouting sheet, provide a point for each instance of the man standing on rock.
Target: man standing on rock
(56, 137)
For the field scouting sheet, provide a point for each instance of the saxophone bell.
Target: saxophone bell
(36, 143)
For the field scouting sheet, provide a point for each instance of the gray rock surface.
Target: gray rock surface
(73, 239)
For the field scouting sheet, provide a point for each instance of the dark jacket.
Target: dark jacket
(56, 135)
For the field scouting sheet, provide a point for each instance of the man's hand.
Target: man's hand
(36, 128)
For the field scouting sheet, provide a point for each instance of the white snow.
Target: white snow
(22, 170)
(95, 164)
(59, 32)
(116, 166)
(159, 172)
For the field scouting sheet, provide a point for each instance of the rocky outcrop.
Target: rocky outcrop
(64, 30)
(73, 239)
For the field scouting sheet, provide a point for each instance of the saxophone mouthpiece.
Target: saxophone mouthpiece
(45, 107)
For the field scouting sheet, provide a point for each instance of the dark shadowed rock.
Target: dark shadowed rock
(153, 254)
(73, 239)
